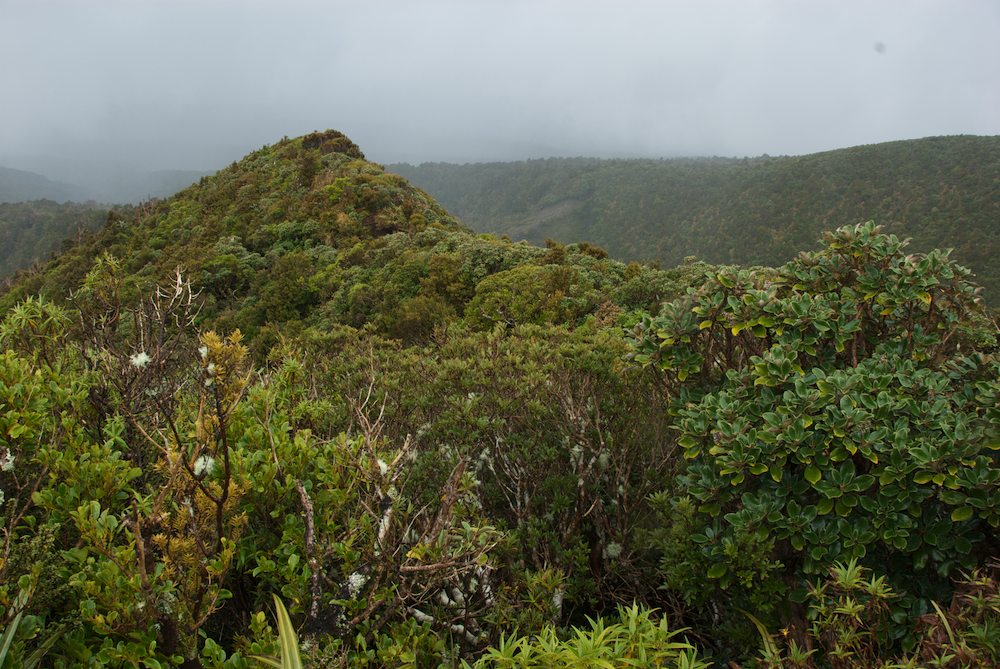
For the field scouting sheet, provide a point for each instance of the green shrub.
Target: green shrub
(843, 406)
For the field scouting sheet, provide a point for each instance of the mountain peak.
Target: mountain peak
(293, 205)
(332, 141)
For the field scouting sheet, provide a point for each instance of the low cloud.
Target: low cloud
(194, 85)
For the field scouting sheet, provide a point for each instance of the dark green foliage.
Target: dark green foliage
(563, 441)
(527, 294)
(842, 406)
(943, 192)
(31, 231)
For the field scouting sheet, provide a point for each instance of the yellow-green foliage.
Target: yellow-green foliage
(637, 640)
(290, 657)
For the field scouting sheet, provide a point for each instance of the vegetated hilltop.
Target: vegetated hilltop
(307, 232)
(29, 231)
(447, 449)
(943, 192)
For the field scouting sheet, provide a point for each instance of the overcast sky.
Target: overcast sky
(196, 84)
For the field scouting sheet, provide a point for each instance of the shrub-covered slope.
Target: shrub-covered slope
(306, 232)
(301, 378)
(943, 192)
(396, 350)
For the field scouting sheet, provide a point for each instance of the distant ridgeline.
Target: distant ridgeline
(942, 192)
(38, 215)
(98, 182)
(21, 186)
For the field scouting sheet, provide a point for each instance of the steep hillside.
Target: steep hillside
(943, 192)
(29, 231)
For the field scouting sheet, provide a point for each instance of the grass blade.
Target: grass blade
(8, 636)
(286, 634)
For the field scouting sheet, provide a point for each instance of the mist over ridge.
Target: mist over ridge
(108, 88)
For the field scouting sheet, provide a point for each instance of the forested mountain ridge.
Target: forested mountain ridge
(302, 379)
(29, 231)
(942, 192)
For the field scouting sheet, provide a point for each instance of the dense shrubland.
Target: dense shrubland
(943, 192)
(438, 448)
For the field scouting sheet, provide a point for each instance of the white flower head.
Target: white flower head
(140, 360)
(603, 460)
(204, 465)
(612, 551)
(203, 352)
(383, 468)
(167, 602)
(355, 582)
(7, 461)
(210, 369)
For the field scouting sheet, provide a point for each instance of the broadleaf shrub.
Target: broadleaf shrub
(843, 406)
